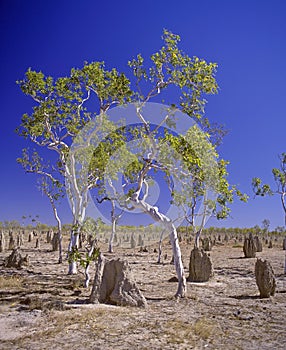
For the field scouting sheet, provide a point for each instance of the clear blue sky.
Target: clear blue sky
(247, 38)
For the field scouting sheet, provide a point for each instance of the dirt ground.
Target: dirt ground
(41, 307)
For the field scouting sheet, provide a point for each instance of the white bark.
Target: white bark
(169, 226)
(113, 231)
(114, 220)
(73, 245)
(284, 207)
(197, 238)
(138, 201)
(79, 200)
(59, 236)
(72, 268)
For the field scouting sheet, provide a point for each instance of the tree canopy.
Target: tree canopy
(279, 175)
(74, 118)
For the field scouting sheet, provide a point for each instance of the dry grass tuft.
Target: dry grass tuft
(179, 332)
(8, 282)
(205, 328)
(36, 303)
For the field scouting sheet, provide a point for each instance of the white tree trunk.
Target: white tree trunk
(78, 220)
(110, 246)
(284, 206)
(182, 286)
(78, 195)
(197, 239)
(114, 219)
(157, 216)
(73, 245)
(59, 236)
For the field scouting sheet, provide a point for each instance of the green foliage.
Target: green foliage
(84, 259)
(48, 184)
(85, 140)
(207, 173)
(90, 226)
(193, 77)
(259, 188)
(59, 115)
(61, 110)
(279, 175)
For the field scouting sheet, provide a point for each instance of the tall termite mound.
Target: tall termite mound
(249, 247)
(114, 283)
(265, 278)
(200, 267)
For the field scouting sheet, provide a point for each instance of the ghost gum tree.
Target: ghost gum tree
(48, 185)
(150, 147)
(63, 123)
(153, 153)
(208, 193)
(115, 216)
(59, 114)
(183, 160)
(279, 175)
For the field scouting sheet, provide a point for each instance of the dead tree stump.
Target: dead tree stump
(265, 278)
(249, 247)
(200, 267)
(114, 284)
(16, 260)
